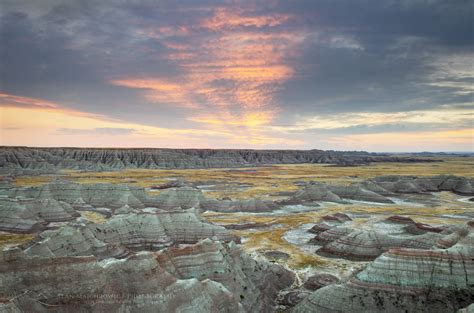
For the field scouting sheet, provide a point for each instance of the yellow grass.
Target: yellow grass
(94, 217)
(9, 239)
(271, 239)
(27, 181)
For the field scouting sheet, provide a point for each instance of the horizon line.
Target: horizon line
(234, 149)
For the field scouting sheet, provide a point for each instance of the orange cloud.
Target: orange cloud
(7, 100)
(13, 101)
(231, 75)
(160, 91)
(224, 18)
(251, 119)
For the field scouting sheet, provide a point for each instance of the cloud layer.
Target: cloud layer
(240, 74)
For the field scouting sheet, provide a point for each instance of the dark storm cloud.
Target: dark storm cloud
(448, 23)
(395, 48)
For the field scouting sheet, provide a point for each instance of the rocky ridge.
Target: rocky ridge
(25, 160)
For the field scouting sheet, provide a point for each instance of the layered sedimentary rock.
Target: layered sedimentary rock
(313, 192)
(208, 276)
(358, 192)
(29, 160)
(179, 198)
(362, 245)
(331, 235)
(337, 218)
(381, 189)
(330, 228)
(292, 298)
(412, 184)
(405, 280)
(32, 215)
(413, 227)
(31, 209)
(335, 193)
(256, 284)
(397, 219)
(84, 195)
(242, 205)
(154, 231)
(144, 231)
(451, 237)
(320, 227)
(338, 238)
(107, 198)
(374, 187)
(73, 240)
(318, 281)
(135, 284)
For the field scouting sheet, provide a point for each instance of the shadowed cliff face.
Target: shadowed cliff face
(52, 159)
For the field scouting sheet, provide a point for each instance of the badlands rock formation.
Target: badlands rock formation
(145, 256)
(382, 189)
(32, 215)
(339, 238)
(209, 276)
(86, 266)
(413, 184)
(155, 253)
(362, 245)
(318, 281)
(405, 280)
(256, 284)
(30, 160)
(31, 209)
(135, 284)
(143, 231)
(292, 298)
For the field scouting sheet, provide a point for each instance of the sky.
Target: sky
(310, 74)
